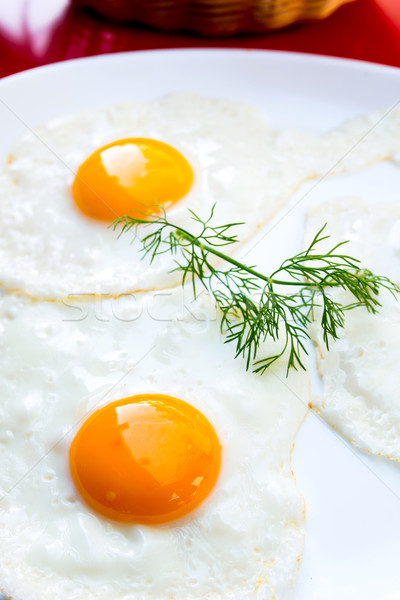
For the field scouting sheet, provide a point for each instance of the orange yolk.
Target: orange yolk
(145, 459)
(131, 177)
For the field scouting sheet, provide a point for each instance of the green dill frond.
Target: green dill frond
(246, 322)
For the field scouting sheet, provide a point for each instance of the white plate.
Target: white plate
(353, 509)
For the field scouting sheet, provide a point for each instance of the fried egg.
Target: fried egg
(360, 375)
(67, 180)
(82, 403)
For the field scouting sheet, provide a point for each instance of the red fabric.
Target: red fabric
(360, 30)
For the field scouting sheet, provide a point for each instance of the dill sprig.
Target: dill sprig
(252, 306)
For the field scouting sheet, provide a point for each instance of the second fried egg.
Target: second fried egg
(360, 375)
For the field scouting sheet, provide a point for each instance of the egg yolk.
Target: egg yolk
(131, 177)
(145, 459)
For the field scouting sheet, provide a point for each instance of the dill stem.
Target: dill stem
(300, 283)
(194, 240)
(225, 257)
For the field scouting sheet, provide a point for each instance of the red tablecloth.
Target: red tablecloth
(361, 30)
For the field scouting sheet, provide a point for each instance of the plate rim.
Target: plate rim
(276, 55)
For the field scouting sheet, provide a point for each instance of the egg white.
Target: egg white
(360, 374)
(242, 542)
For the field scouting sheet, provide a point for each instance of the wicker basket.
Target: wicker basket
(213, 17)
